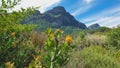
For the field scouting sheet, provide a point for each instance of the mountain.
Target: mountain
(94, 26)
(57, 17)
(63, 18)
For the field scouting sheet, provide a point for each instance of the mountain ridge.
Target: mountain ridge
(55, 18)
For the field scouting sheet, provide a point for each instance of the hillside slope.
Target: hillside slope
(57, 17)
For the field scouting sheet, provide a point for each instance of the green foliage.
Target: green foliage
(84, 39)
(101, 30)
(21, 48)
(93, 57)
(42, 25)
(96, 39)
(117, 55)
(96, 56)
(114, 37)
(8, 4)
(71, 30)
(36, 62)
(56, 51)
(15, 44)
(80, 40)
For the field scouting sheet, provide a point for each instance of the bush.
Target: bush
(56, 51)
(93, 57)
(85, 40)
(80, 40)
(38, 38)
(93, 39)
(16, 47)
(114, 37)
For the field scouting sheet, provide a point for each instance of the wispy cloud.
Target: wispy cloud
(43, 4)
(88, 1)
(112, 22)
(81, 10)
(83, 7)
(107, 21)
(109, 18)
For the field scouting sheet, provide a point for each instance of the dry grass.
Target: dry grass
(38, 38)
(94, 39)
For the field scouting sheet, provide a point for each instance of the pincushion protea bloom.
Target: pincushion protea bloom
(68, 39)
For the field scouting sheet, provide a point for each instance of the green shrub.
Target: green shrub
(15, 43)
(93, 57)
(114, 37)
(80, 40)
(93, 39)
(56, 51)
(85, 40)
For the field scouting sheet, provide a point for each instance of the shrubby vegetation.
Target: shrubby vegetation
(101, 30)
(23, 47)
(96, 50)
(15, 43)
(57, 49)
(93, 57)
(114, 37)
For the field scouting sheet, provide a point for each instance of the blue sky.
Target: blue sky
(103, 12)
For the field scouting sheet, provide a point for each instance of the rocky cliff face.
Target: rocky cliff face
(57, 17)
(94, 26)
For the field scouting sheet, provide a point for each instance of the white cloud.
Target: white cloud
(112, 22)
(109, 18)
(88, 1)
(83, 6)
(99, 21)
(107, 21)
(43, 4)
(81, 10)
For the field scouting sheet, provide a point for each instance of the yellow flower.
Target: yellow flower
(12, 34)
(9, 65)
(52, 35)
(68, 39)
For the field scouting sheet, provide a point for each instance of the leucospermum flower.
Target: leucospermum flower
(9, 65)
(68, 39)
(52, 35)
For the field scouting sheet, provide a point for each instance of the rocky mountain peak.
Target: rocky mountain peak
(94, 26)
(57, 10)
(57, 17)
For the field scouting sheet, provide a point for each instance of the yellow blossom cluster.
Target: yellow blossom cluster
(68, 39)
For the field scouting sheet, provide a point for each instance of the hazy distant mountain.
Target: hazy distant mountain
(56, 18)
(94, 26)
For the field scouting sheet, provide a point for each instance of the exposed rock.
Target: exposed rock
(94, 26)
(58, 17)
